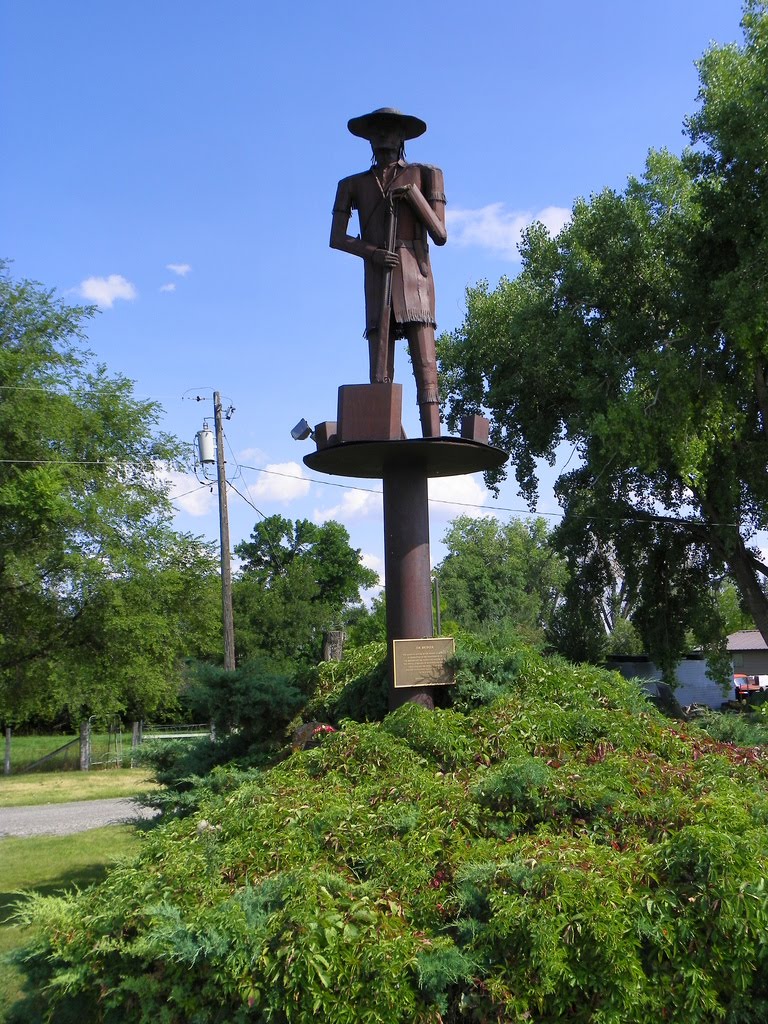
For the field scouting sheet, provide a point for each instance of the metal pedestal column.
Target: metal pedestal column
(405, 466)
(406, 564)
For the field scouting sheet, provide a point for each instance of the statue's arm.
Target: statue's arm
(341, 239)
(345, 242)
(431, 211)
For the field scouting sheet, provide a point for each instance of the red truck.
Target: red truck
(744, 685)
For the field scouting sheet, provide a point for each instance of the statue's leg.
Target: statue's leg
(421, 343)
(375, 375)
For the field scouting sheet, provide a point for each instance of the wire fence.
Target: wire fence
(101, 744)
(24, 755)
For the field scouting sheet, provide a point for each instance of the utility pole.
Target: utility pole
(226, 571)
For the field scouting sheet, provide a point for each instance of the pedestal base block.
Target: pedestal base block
(475, 428)
(325, 434)
(369, 412)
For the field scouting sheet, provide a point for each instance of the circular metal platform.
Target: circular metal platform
(439, 456)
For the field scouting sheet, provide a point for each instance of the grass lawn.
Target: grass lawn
(50, 864)
(59, 787)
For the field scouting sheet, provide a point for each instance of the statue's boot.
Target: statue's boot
(429, 414)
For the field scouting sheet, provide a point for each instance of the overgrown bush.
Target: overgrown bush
(250, 709)
(744, 728)
(561, 853)
(354, 687)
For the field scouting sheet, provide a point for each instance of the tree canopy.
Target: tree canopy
(500, 574)
(99, 596)
(297, 581)
(638, 338)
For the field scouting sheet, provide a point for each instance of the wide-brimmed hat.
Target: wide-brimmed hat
(387, 117)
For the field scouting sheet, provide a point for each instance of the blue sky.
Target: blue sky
(176, 163)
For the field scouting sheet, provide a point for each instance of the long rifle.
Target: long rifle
(385, 310)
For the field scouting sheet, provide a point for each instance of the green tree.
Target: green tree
(99, 597)
(368, 625)
(138, 629)
(500, 574)
(732, 610)
(600, 599)
(297, 581)
(638, 337)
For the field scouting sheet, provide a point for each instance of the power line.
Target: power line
(312, 479)
(201, 487)
(276, 550)
(62, 462)
(246, 500)
(500, 508)
(490, 509)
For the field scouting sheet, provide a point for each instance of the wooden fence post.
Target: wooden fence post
(135, 741)
(85, 745)
(7, 764)
(333, 645)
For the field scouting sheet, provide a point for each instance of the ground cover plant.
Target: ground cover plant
(547, 849)
(745, 728)
(48, 864)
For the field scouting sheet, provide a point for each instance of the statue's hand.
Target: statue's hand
(400, 191)
(385, 258)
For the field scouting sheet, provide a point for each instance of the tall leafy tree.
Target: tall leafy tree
(500, 574)
(368, 625)
(594, 618)
(99, 596)
(639, 337)
(297, 581)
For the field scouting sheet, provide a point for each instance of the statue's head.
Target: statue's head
(387, 120)
(387, 129)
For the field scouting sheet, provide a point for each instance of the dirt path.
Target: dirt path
(63, 819)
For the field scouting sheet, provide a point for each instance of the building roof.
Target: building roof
(747, 640)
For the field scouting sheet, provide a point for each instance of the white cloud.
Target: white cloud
(281, 481)
(170, 287)
(252, 457)
(492, 227)
(188, 493)
(375, 563)
(105, 290)
(182, 269)
(355, 504)
(457, 496)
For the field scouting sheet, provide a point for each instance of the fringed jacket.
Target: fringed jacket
(413, 289)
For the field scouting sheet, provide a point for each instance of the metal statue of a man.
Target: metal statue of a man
(399, 205)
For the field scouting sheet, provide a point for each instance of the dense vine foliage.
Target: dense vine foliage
(547, 849)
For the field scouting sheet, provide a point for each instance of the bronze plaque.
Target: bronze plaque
(423, 662)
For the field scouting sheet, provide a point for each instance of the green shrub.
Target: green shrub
(562, 853)
(355, 687)
(443, 736)
(254, 702)
(251, 709)
(744, 728)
